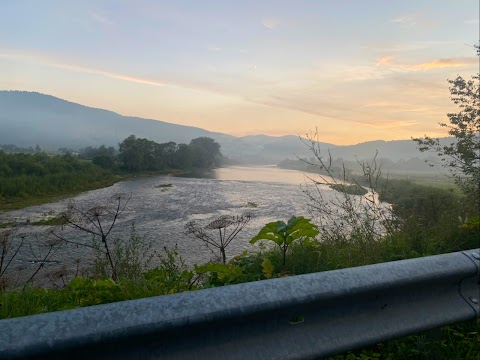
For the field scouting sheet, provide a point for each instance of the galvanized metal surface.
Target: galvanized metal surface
(298, 317)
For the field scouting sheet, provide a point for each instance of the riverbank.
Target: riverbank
(16, 203)
(21, 202)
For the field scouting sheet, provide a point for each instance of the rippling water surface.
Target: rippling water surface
(160, 213)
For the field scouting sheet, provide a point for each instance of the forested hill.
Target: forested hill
(30, 118)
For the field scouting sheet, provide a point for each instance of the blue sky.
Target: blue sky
(356, 70)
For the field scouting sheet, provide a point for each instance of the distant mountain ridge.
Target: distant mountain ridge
(30, 118)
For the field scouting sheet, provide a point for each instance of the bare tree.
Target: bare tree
(9, 248)
(234, 224)
(46, 250)
(341, 214)
(13, 245)
(98, 221)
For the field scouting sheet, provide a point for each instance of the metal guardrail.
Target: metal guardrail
(298, 317)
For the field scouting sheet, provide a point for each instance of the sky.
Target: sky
(354, 70)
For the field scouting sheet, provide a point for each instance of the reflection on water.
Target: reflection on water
(262, 173)
(160, 213)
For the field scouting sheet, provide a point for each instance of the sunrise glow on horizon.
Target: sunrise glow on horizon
(354, 70)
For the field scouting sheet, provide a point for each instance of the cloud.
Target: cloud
(392, 107)
(419, 109)
(443, 63)
(315, 107)
(362, 72)
(270, 23)
(408, 20)
(380, 104)
(414, 20)
(214, 48)
(177, 82)
(304, 95)
(389, 61)
(79, 68)
(411, 46)
(387, 124)
(384, 60)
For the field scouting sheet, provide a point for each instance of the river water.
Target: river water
(160, 213)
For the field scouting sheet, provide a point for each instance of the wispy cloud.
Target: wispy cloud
(392, 107)
(414, 20)
(170, 81)
(275, 95)
(270, 23)
(389, 61)
(42, 60)
(384, 60)
(444, 63)
(408, 20)
(387, 124)
(364, 72)
(411, 46)
(380, 104)
(214, 48)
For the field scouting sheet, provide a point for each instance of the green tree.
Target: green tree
(462, 155)
(168, 151)
(130, 154)
(184, 156)
(206, 152)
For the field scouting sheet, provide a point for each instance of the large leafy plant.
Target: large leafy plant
(284, 234)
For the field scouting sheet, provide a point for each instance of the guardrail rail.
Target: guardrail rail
(297, 317)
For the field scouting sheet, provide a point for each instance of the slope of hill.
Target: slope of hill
(30, 118)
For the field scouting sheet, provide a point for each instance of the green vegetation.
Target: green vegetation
(10, 148)
(163, 186)
(285, 234)
(170, 276)
(27, 179)
(456, 342)
(32, 178)
(138, 155)
(425, 220)
(53, 221)
(6, 225)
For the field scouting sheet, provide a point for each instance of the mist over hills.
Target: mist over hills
(30, 118)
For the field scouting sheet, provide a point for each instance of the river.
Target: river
(161, 212)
